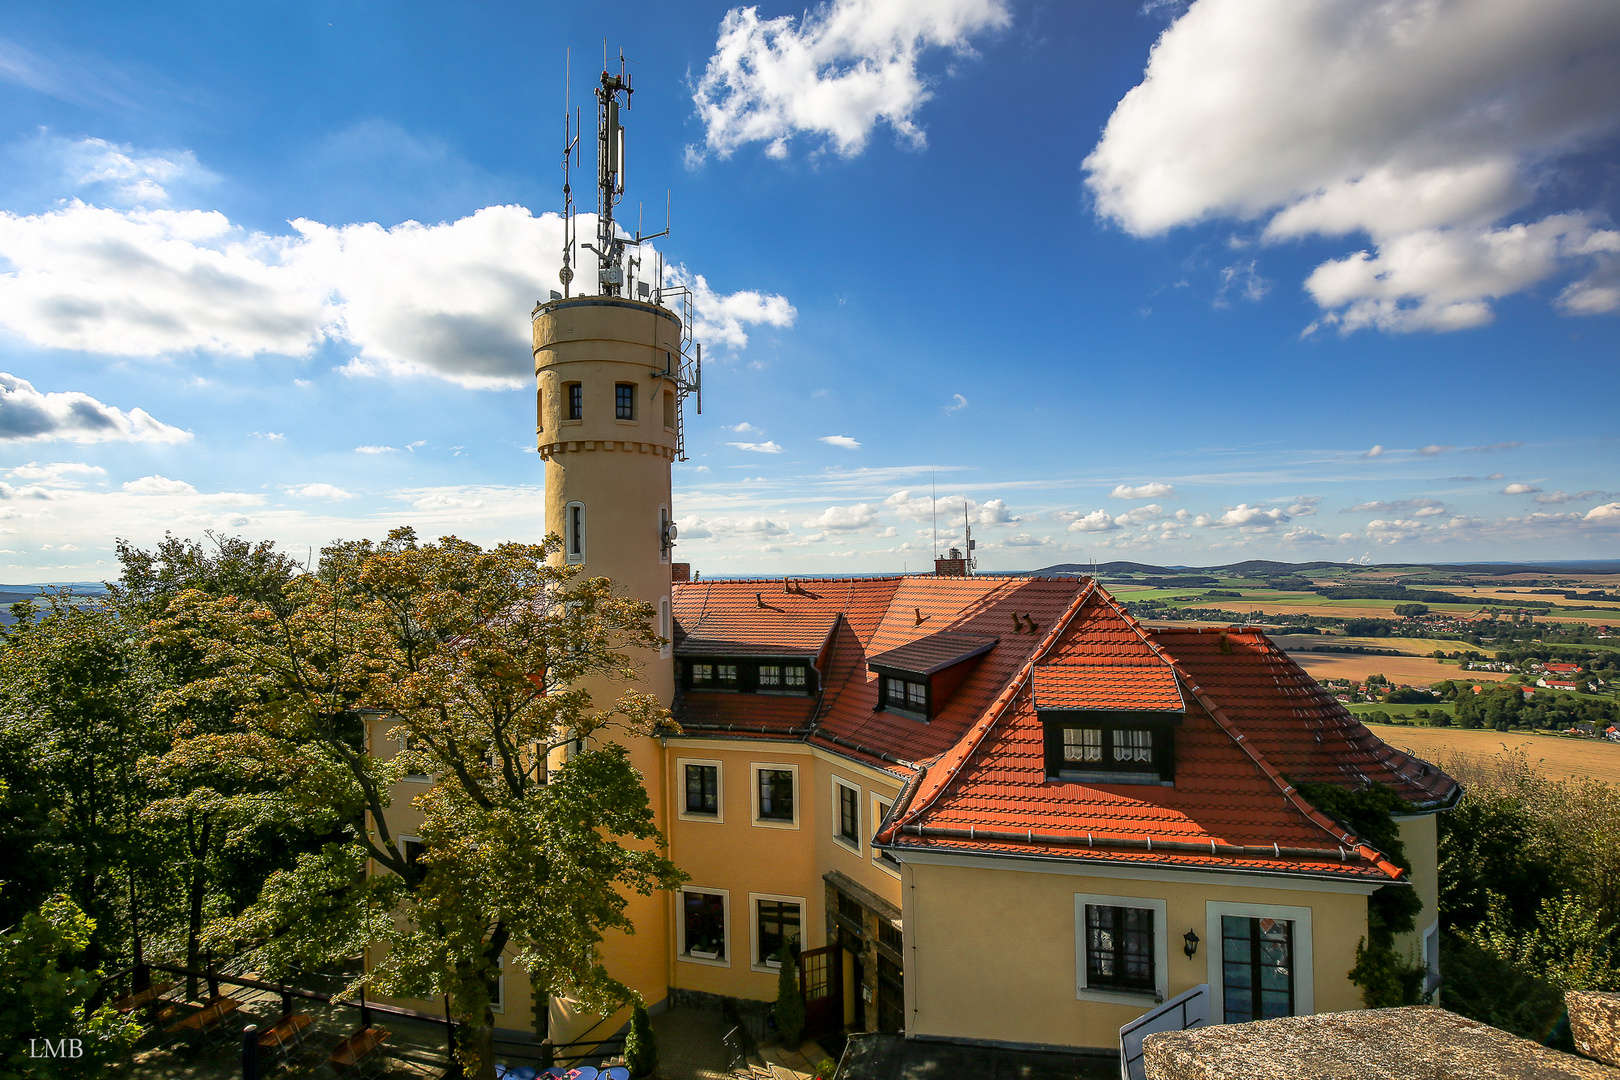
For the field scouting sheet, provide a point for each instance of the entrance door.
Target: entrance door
(821, 983)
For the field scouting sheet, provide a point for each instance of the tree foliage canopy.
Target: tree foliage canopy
(479, 665)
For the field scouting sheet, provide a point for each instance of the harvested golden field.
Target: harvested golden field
(1409, 646)
(1407, 670)
(1558, 759)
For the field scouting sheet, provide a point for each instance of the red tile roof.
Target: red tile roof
(1255, 724)
(934, 653)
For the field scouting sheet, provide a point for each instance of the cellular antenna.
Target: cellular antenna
(570, 143)
(612, 100)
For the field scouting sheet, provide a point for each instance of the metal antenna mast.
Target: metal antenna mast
(570, 144)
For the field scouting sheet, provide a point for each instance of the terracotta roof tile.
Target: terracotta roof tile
(934, 653)
(1107, 686)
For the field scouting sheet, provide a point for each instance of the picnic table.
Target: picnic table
(287, 1034)
(353, 1050)
(136, 998)
(210, 1017)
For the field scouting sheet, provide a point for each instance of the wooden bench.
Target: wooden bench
(209, 1018)
(352, 1052)
(136, 998)
(287, 1035)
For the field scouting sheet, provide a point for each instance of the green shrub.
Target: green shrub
(640, 1048)
(789, 1001)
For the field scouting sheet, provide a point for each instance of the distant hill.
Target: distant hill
(17, 594)
(1268, 568)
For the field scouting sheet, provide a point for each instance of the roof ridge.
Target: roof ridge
(965, 747)
(1289, 793)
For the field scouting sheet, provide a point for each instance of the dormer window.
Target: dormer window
(1110, 747)
(904, 695)
(918, 678)
(747, 675)
(713, 676)
(782, 678)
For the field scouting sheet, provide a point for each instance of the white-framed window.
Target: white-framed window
(705, 926)
(846, 814)
(774, 918)
(666, 629)
(701, 789)
(882, 859)
(1259, 961)
(497, 1000)
(775, 795)
(1120, 949)
(574, 532)
(1431, 958)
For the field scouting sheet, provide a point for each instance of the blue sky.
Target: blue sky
(1339, 281)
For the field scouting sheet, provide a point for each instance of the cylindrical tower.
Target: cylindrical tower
(607, 421)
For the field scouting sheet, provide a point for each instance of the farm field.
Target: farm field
(1557, 758)
(1411, 670)
(1407, 645)
(1273, 602)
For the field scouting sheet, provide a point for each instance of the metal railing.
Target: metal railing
(1186, 1010)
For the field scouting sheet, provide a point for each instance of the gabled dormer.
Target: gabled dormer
(918, 678)
(1109, 723)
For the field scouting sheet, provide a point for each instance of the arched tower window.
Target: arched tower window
(574, 532)
(539, 410)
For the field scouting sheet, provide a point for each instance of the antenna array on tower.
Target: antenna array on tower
(617, 275)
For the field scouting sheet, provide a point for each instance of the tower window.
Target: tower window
(669, 410)
(576, 401)
(539, 410)
(624, 401)
(574, 527)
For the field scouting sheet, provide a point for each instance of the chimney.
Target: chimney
(681, 571)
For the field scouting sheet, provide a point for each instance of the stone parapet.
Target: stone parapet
(1594, 1021)
(1416, 1043)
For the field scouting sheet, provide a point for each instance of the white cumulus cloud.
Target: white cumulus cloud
(843, 441)
(1143, 491)
(159, 485)
(1096, 521)
(845, 66)
(28, 415)
(1520, 489)
(318, 491)
(1421, 124)
(445, 300)
(858, 516)
(768, 447)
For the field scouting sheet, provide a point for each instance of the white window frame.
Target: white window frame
(570, 556)
(497, 1004)
(881, 805)
(719, 816)
(1161, 949)
(754, 768)
(754, 898)
(1304, 971)
(725, 914)
(1432, 977)
(666, 628)
(837, 815)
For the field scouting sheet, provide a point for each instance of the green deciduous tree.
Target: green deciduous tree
(45, 999)
(223, 837)
(479, 661)
(75, 719)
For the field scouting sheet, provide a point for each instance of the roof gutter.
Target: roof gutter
(1213, 848)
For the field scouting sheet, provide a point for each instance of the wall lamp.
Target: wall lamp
(1189, 943)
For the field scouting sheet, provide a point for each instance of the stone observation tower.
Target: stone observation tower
(612, 369)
